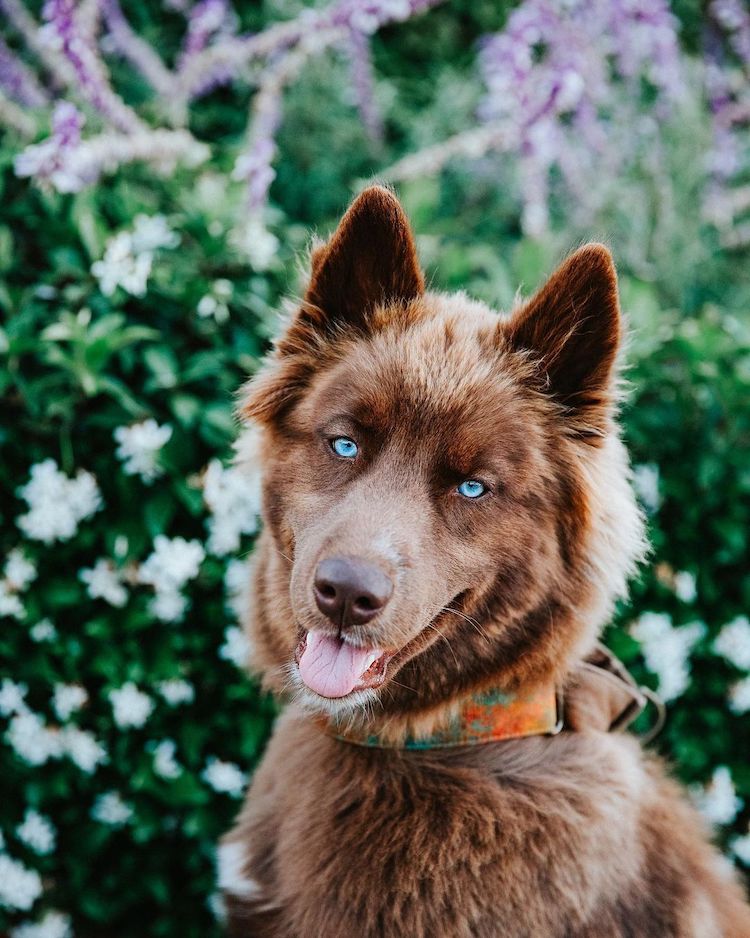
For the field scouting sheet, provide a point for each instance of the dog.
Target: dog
(448, 520)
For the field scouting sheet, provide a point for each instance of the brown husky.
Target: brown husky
(448, 521)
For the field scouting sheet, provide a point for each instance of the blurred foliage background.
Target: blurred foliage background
(140, 280)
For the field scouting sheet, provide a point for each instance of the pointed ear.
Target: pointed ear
(571, 328)
(369, 261)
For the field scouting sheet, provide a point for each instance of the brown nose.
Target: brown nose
(350, 591)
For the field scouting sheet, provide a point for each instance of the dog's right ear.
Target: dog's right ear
(370, 261)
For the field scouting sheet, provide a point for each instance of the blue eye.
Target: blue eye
(471, 488)
(344, 447)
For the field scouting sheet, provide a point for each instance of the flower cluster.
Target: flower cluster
(127, 264)
(57, 503)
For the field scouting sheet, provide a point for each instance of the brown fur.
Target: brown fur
(577, 835)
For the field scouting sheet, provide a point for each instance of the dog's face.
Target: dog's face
(435, 516)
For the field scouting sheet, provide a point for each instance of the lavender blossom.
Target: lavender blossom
(139, 53)
(363, 82)
(65, 33)
(734, 17)
(46, 161)
(205, 20)
(18, 80)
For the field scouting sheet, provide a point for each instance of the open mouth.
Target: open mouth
(333, 668)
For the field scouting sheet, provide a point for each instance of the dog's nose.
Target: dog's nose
(350, 591)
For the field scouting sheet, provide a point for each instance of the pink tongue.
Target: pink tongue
(332, 668)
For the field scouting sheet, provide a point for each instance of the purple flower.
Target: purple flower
(363, 82)
(66, 32)
(138, 52)
(18, 81)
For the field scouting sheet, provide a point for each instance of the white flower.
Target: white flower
(666, 650)
(53, 925)
(43, 631)
(236, 647)
(68, 698)
(739, 696)
(109, 808)
(165, 763)
(131, 706)
(10, 604)
(646, 483)
(233, 497)
(32, 741)
(733, 643)
(19, 570)
(103, 581)
(57, 503)
(238, 583)
(169, 605)
(718, 801)
(82, 748)
(139, 447)
(176, 691)
(224, 777)
(122, 267)
(252, 238)
(19, 886)
(151, 233)
(37, 832)
(12, 697)
(684, 586)
(172, 563)
(741, 848)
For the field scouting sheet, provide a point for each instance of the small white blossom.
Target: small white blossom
(103, 581)
(139, 448)
(176, 691)
(83, 748)
(646, 483)
(225, 777)
(10, 604)
(739, 696)
(122, 267)
(165, 763)
(32, 740)
(169, 605)
(19, 570)
(43, 631)
(53, 925)
(718, 801)
(252, 238)
(237, 584)
(57, 503)
(168, 568)
(109, 808)
(131, 707)
(150, 233)
(233, 497)
(12, 697)
(666, 650)
(684, 586)
(37, 832)
(733, 643)
(67, 698)
(236, 647)
(19, 887)
(172, 563)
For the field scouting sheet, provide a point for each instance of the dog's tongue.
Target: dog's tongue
(333, 668)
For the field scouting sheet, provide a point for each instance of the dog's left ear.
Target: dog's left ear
(571, 329)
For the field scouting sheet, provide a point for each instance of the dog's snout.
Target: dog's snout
(350, 591)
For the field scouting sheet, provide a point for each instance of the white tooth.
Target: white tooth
(373, 656)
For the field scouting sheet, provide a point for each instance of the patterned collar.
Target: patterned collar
(486, 717)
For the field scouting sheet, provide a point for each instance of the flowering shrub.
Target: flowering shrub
(149, 234)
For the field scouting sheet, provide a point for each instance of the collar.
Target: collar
(485, 717)
(599, 695)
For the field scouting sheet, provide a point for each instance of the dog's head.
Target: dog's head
(446, 499)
